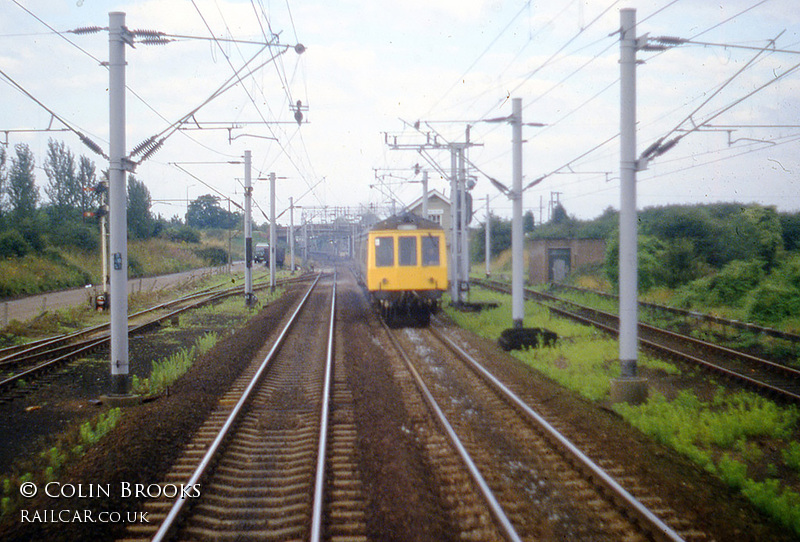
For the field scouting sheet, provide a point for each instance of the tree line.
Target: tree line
(745, 256)
(74, 198)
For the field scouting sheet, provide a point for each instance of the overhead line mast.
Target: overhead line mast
(629, 387)
(118, 37)
(459, 245)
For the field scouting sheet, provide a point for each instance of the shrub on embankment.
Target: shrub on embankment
(57, 268)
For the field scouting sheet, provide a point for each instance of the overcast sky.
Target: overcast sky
(377, 66)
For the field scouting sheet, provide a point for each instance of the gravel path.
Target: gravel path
(25, 308)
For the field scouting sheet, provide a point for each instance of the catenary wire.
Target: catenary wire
(283, 148)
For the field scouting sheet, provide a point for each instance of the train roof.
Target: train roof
(406, 221)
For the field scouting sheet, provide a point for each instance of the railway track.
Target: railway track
(30, 361)
(773, 379)
(279, 444)
(693, 316)
(521, 464)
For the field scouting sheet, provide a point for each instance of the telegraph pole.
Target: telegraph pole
(628, 387)
(628, 348)
(305, 240)
(118, 166)
(462, 226)
(249, 298)
(515, 195)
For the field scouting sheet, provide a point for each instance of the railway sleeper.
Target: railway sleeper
(262, 502)
(250, 471)
(261, 534)
(227, 509)
(250, 521)
(236, 491)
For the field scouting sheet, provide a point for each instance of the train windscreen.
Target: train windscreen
(384, 252)
(430, 250)
(408, 251)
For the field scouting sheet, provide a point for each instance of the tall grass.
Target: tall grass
(702, 430)
(35, 274)
(50, 463)
(724, 436)
(159, 256)
(56, 269)
(583, 359)
(165, 372)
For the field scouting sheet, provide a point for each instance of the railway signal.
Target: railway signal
(100, 212)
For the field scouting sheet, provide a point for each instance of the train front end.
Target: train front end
(406, 268)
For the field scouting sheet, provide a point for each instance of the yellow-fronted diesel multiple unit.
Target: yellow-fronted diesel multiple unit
(404, 265)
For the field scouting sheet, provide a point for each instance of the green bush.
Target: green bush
(90, 432)
(81, 236)
(213, 255)
(184, 234)
(135, 267)
(735, 281)
(732, 472)
(13, 245)
(791, 455)
(650, 254)
(729, 287)
(784, 505)
(772, 302)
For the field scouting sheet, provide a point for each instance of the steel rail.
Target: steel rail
(785, 370)
(30, 349)
(88, 347)
(12, 354)
(90, 344)
(494, 506)
(648, 520)
(736, 375)
(177, 506)
(319, 482)
(737, 324)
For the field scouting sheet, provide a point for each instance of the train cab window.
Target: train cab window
(384, 252)
(408, 250)
(430, 250)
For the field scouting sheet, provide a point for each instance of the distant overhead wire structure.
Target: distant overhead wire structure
(691, 122)
(83, 137)
(249, 95)
(146, 148)
(661, 145)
